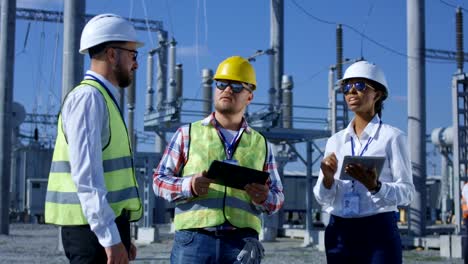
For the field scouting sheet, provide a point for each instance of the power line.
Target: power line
(57, 16)
(169, 15)
(399, 53)
(365, 25)
(312, 16)
(452, 5)
(197, 22)
(147, 22)
(311, 77)
(205, 18)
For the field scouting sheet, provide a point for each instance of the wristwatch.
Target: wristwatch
(376, 189)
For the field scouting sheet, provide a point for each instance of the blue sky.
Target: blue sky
(209, 31)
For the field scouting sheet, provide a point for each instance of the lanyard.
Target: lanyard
(94, 78)
(364, 149)
(230, 146)
(366, 146)
(362, 152)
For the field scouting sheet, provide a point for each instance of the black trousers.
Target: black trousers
(81, 245)
(373, 239)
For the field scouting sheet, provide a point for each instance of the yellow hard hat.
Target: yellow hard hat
(236, 68)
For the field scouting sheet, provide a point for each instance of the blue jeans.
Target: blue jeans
(193, 247)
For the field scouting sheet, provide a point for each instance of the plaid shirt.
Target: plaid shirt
(173, 188)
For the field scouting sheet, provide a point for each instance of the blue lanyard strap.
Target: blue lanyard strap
(364, 149)
(367, 144)
(230, 146)
(94, 78)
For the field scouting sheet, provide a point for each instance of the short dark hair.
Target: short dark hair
(96, 50)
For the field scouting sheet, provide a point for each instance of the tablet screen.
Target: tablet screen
(235, 176)
(367, 161)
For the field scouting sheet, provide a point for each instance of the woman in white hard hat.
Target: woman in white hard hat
(362, 204)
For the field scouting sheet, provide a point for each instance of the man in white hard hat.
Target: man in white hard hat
(92, 191)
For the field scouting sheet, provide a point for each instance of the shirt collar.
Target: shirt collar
(369, 131)
(112, 89)
(212, 120)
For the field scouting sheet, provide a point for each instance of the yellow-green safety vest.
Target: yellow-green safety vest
(62, 205)
(222, 203)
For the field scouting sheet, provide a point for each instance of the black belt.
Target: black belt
(241, 232)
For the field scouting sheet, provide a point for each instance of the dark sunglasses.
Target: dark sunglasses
(134, 52)
(235, 87)
(359, 86)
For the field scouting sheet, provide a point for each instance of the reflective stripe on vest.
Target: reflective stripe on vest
(62, 204)
(221, 203)
(108, 165)
(72, 197)
(215, 202)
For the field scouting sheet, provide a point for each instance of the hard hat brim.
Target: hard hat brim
(138, 45)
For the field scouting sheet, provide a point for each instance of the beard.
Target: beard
(124, 78)
(225, 109)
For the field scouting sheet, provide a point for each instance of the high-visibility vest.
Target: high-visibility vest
(222, 203)
(62, 205)
(464, 207)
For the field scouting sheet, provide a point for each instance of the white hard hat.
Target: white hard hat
(107, 27)
(367, 70)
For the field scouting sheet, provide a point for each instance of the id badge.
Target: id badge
(231, 161)
(350, 204)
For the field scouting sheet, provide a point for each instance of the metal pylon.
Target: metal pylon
(460, 139)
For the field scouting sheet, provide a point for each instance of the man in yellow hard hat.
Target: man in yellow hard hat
(92, 191)
(216, 223)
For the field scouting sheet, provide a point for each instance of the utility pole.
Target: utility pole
(273, 223)
(277, 46)
(339, 101)
(131, 113)
(7, 62)
(73, 23)
(417, 113)
(460, 123)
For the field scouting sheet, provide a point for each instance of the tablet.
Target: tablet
(235, 176)
(367, 161)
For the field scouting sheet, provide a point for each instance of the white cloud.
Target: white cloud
(192, 51)
(40, 4)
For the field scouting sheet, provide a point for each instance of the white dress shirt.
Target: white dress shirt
(396, 177)
(85, 122)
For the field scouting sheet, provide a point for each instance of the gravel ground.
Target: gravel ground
(33, 243)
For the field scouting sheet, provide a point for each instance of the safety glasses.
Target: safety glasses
(133, 52)
(359, 86)
(235, 87)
